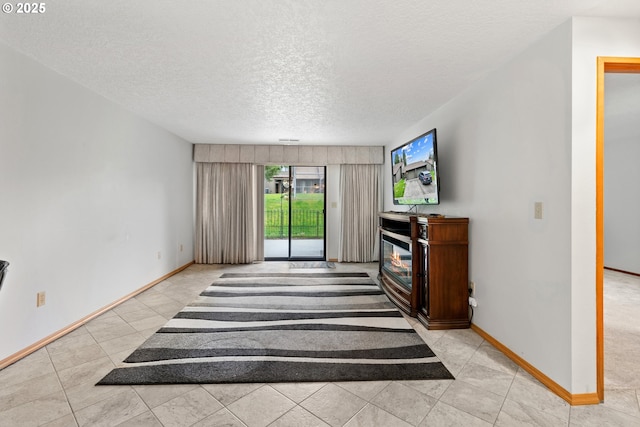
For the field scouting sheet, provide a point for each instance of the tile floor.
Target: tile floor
(55, 385)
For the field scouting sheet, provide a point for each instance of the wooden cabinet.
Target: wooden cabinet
(424, 267)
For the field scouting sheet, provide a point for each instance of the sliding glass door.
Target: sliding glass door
(294, 213)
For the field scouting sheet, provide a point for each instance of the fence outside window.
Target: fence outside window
(305, 224)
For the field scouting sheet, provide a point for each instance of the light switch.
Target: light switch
(537, 210)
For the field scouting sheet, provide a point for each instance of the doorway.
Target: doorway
(605, 65)
(294, 213)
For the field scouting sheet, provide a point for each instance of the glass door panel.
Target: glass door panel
(294, 213)
(307, 212)
(276, 212)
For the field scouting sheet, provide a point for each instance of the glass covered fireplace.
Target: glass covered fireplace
(396, 260)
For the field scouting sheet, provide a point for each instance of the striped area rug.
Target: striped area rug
(283, 327)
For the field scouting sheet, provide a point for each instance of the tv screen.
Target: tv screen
(414, 171)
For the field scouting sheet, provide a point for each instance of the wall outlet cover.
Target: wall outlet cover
(40, 299)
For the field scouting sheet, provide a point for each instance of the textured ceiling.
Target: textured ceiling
(255, 71)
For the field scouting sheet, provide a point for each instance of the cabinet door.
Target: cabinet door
(448, 295)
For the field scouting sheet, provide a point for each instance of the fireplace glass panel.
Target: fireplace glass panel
(397, 260)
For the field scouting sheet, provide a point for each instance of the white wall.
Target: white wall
(89, 195)
(621, 172)
(503, 145)
(592, 37)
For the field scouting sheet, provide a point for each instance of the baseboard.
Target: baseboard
(62, 332)
(622, 271)
(572, 399)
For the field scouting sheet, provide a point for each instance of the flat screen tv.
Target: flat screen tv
(414, 171)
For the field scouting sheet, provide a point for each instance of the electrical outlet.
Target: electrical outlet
(472, 288)
(40, 300)
(159, 255)
(537, 210)
(181, 248)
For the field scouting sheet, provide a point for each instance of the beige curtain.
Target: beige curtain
(225, 209)
(361, 187)
(259, 212)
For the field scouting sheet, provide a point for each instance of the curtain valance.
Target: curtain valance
(295, 155)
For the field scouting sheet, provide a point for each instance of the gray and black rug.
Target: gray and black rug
(283, 327)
